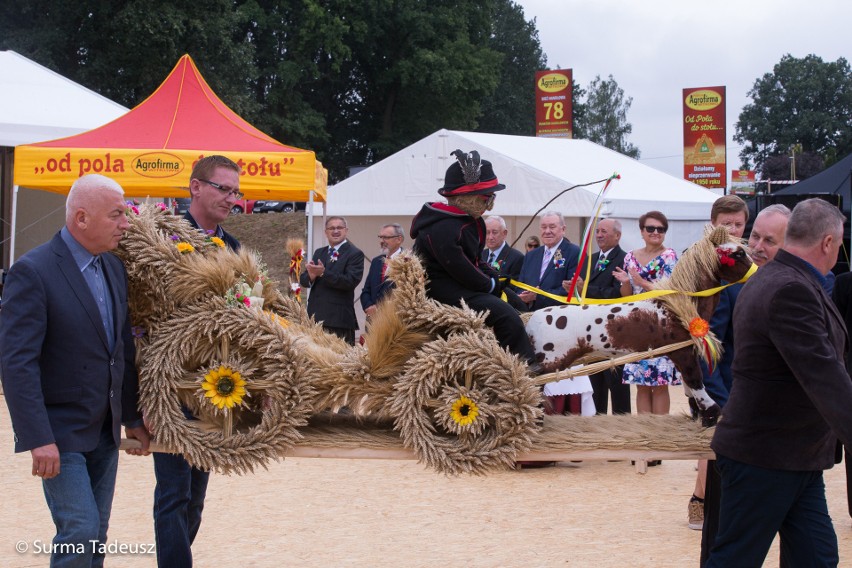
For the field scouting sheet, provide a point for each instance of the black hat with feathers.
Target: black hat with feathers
(469, 175)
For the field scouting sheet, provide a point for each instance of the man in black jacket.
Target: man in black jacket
(449, 239)
(789, 403)
(332, 275)
(603, 285)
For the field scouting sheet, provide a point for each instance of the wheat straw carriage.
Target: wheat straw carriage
(213, 334)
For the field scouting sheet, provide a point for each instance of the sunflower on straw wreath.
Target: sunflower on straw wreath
(460, 411)
(182, 247)
(224, 388)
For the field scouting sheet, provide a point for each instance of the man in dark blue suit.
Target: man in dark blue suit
(548, 265)
(68, 366)
(181, 488)
(332, 275)
(376, 286)
(497, 253)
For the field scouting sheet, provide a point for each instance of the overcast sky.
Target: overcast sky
(655, 49)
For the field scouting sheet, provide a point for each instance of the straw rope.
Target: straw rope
(593, 368)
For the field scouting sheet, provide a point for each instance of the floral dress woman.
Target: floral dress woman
(658, 371)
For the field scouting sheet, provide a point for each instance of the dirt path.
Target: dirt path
(342, 513)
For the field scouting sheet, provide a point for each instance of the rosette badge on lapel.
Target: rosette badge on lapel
(335, 255)
(558, 261)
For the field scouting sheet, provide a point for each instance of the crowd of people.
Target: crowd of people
(783, 380)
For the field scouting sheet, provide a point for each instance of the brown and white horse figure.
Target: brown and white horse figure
(562, 335)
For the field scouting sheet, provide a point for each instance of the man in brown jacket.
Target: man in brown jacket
(789, 403)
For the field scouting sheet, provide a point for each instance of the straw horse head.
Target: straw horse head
(567, 335)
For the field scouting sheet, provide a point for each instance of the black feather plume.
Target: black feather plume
(470, 164)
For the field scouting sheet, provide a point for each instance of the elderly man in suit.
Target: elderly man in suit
(68, 366)
(332, 276)
(497, 253)
(788, 405)
(376, 286)
(181, 489)
(602, 284)
(548, 265)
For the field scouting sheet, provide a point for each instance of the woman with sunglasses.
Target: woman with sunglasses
(533, 243)
(642, 267)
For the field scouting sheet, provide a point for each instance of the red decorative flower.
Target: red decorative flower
(725, 257)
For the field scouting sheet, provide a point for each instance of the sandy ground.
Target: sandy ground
(347, 513)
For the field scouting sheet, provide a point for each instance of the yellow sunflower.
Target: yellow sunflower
(185, 248)
(224, 387)
(218, 242)
(464, 411)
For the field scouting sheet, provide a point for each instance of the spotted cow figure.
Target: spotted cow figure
(561, 335)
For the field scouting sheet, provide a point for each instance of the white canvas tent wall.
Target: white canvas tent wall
(37, 104)
(534, 170)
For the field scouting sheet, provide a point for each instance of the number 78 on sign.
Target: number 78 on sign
(553, 90)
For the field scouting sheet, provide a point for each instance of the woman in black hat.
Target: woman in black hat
(449, 239)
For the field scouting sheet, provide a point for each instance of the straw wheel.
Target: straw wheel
(238, 373)
(465, 405)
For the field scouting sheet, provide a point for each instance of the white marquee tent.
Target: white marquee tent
(534, 170)
(37, 104)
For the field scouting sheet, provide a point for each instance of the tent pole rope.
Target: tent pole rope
(554, 198)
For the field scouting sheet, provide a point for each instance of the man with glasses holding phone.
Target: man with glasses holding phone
(377, 285)
(181, 488)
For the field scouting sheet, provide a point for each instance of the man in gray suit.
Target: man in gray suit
(68, 371)
(788, 405)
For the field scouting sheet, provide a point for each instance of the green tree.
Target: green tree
(353, 80)
(604, 119)
(511, 108)
(803, 101)
(124, 50)
(415, 68)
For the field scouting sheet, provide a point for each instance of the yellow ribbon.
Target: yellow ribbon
(633, 298)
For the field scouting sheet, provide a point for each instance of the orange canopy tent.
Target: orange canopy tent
(151, 149)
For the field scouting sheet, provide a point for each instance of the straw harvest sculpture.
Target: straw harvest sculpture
(214, 336)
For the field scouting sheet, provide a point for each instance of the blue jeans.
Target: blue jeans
(178, 502)
(80, 502)
(757, 503)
